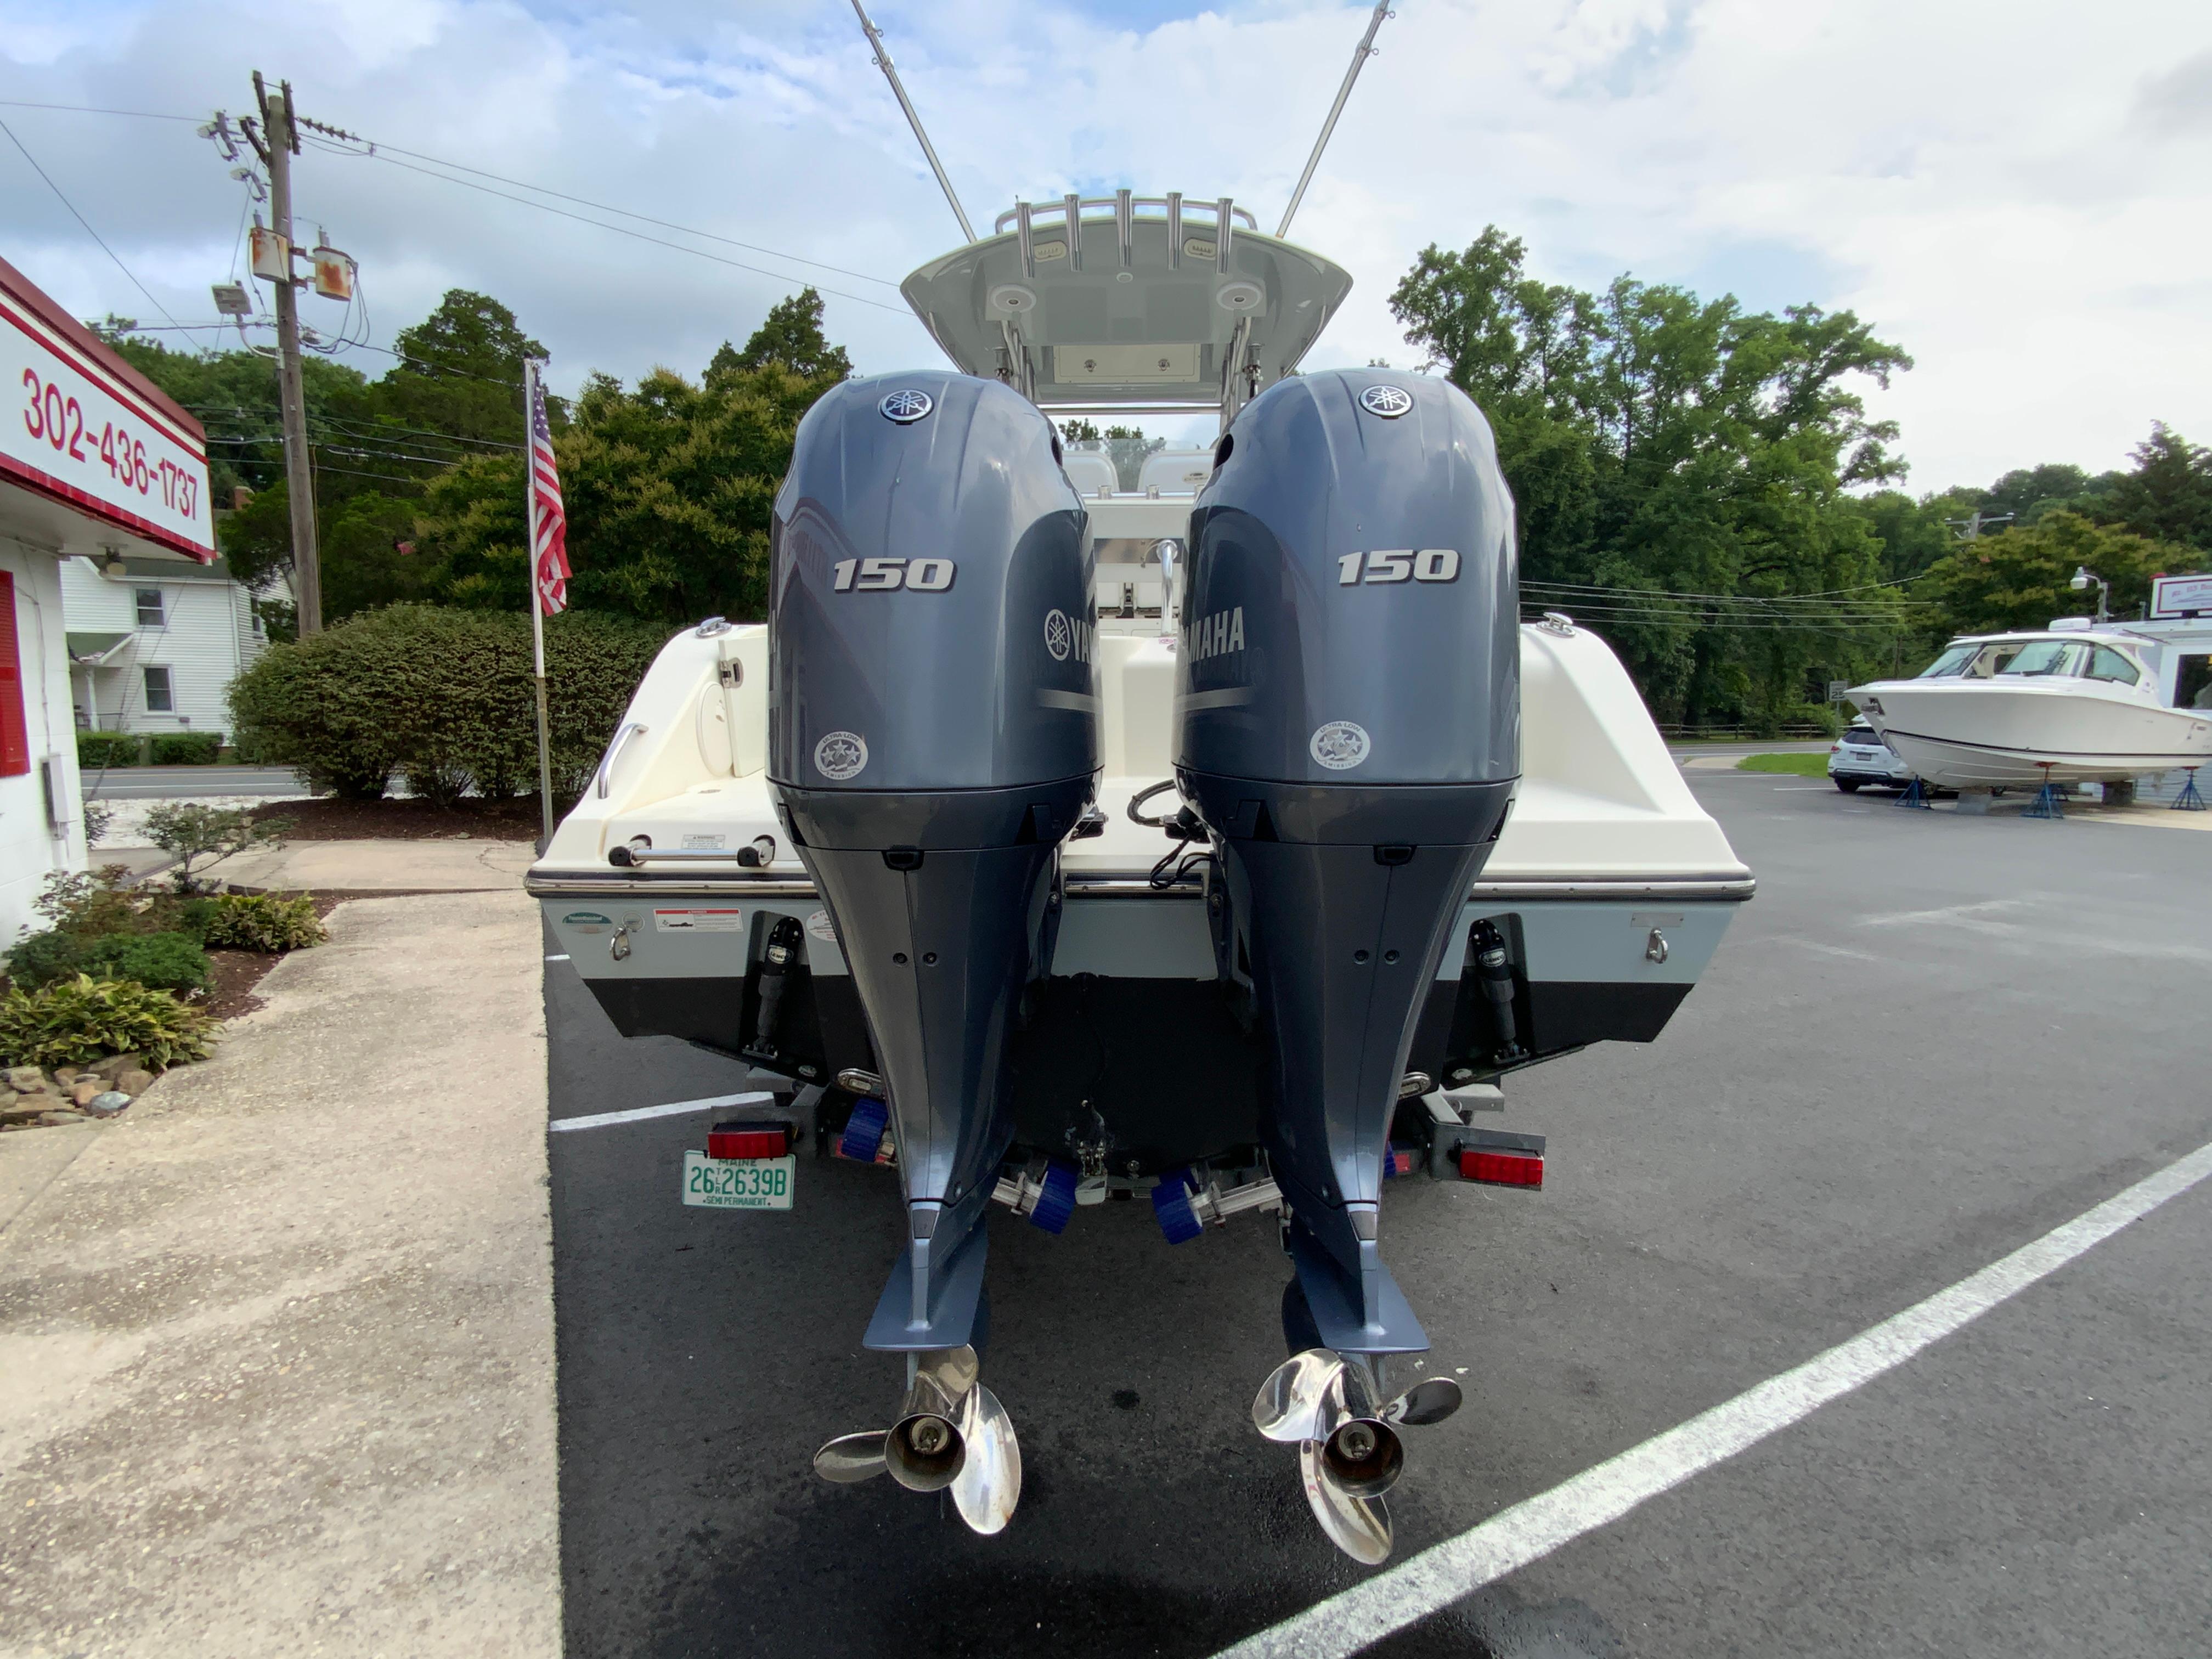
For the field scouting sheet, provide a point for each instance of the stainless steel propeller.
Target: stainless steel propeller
(1349, 1453)
(951, 1434)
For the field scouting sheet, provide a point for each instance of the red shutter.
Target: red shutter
(15, 733)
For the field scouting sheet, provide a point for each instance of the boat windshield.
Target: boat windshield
(1951, 663)
(2047, 659)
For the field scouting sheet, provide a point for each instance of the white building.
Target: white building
(154, 644)
(95, 462)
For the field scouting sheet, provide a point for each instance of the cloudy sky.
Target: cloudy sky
(2018, 195)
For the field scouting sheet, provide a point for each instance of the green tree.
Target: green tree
(1680, 469)
(460, 372)
(790, 335)
(2019, 578)
(2168, 495)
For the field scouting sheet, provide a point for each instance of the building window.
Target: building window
(158, 698)
(149, 608)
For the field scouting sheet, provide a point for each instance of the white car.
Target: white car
(1860, 757)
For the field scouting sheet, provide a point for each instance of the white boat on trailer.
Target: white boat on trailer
(1225, 842)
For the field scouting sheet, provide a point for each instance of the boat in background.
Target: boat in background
(2073, 704)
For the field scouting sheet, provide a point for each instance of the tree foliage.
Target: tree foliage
(1680, 468)
(2019, 577)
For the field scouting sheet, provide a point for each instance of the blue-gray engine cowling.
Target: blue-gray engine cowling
(933, 733)
(1347, 724)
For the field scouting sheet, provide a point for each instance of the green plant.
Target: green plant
(442, 695)
(167, 962)
(189, 833)
(42, 958)
(99, 749)
(187, 748)
(90, 903)
(77, 1021)
(98, 818)
(260, 921)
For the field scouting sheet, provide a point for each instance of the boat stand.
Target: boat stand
(2188, 800)
(2047, 803)
(1916, 796)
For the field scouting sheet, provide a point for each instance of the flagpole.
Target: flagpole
(531, 392)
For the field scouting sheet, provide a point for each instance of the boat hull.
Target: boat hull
(1967, 736)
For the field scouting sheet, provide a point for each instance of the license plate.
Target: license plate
(738, 1183)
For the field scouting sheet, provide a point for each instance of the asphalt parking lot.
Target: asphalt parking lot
(1930, 1039)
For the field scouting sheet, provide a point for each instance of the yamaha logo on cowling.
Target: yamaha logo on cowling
(905, 407)
(1064, 637)
(1387, 401)
(1215, 635)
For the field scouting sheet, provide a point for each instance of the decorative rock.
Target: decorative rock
(83, 1088)
(60, 1119)
(115, 1066)
(26, 1079)
(65, 1075)
(135, 1081)
(107, 1104)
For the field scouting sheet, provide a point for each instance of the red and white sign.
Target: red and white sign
(71, 428)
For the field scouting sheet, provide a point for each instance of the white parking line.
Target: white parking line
(1533, 1528)
(638, 1115)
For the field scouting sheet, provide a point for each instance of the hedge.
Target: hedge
(443, 697)
(187, 748)
(98, 749)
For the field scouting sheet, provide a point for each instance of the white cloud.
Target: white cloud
(2019, 200)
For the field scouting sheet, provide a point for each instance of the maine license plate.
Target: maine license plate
(738, 1183)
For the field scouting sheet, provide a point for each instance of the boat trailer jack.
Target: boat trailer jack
(952, 1435)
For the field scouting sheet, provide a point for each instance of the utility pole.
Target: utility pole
(278, 142)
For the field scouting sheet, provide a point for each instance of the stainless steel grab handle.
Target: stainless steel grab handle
(614, 753)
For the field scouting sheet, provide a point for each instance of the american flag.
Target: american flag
(549, 522)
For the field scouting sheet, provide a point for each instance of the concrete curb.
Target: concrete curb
(283, 1335)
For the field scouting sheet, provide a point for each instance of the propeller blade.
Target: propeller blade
(989, 1483)
(852, 1457)
(1360, 1527)
(1294, 1401)
(953, 1371)
(1431, 1401)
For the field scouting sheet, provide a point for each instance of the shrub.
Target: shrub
(442, 696)
(92, 903)
(78, 1021)
(167, 962)
(99, 749)
(198, 835)
(43, 958)
(187, 748)
(260, 921)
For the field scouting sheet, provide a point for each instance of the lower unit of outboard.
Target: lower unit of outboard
(1348, 725)
(932, 719)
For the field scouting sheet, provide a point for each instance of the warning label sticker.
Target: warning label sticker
(699, 921)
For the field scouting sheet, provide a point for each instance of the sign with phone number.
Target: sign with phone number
(74, 428)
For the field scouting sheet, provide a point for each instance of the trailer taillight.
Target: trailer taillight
(748, 1141)
(1502, 1169)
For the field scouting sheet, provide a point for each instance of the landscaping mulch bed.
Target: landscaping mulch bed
(326, 817)
(238, 972)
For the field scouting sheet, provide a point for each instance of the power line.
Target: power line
(87, 223)
(657, 241)
(88, 109)
(384, 152)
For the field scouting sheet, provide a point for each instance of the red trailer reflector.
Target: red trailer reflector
(748, 1141)
(1502, 1169)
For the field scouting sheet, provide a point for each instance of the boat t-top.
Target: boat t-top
(1218, 843)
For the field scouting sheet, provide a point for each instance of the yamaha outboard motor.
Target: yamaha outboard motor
(1347, 723)
(933, 735)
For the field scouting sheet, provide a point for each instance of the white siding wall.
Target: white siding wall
(29, 846)
(206, 638)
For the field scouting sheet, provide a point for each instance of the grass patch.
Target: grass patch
(1798, 766)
